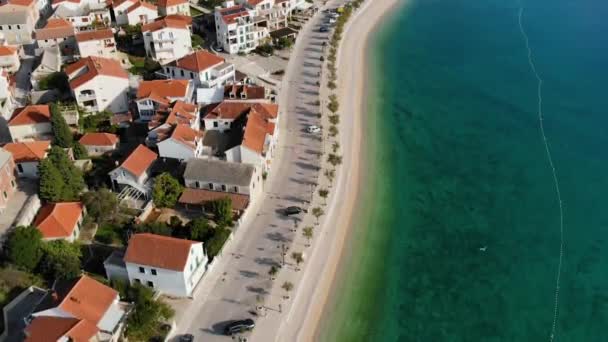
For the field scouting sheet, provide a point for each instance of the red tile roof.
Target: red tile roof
(49, 328)
(202, 196)
(94, 66)
(58, 220)
(30, 115)
(199, 61)
(256, 129)
(162, 90)
(164, 23)
(159, 251)
(139, 4)
(183, 113)
(167, 3)
(139, 160)
(117, 3)
(99, 139)
(230, 14)
(28, 151)
(185, 135)
(55, 28)
(88, 300)
(7, 50)
(85, 36)
(234, 109)
(25, 3)
(250, 92)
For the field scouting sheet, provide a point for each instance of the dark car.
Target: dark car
(239, 326)
(293, 210)
(186, 338)
(324, 29)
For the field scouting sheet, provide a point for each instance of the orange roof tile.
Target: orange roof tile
(7, 50)
(255, 132)
(167, 3)
(117, 3)
(185, 18)
(99, 139)
(30, 115)
(25, 3)
(49, 328)
(94, 35)
(88, 300)
(234, 109)
(202, 196)
(28, 151)
(139, 160)
(182, 112)
(164, 23)
(95, 66)
(55, 28)
(199, 61)
(58, 220)
(139, 4)
(162, 90)
(185, 135)
(158, 251)
(230, 14)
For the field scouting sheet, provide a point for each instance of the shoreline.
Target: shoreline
(340, 214)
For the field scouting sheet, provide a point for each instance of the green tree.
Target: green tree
(56, 80)
(61, 260)
(80, 152)
(317, 212)
(148, 313)
(331, 85)
(298, 258)
(324, 193)
(287, 286)
(333, 131)
(102, 205)
(334, 159)
(273, 272)
(51, 182)
(197, 41)
(308, 233)
(73, 180)
(335, 146)
(62, 136)
(334, 119)
(166, 191)
(24, 247)
(158, 228)
(199, 229)
(333, 106)
(222, 211)
(330, 175)
(215, 243)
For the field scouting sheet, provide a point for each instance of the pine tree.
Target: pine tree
(62, 136)
(51, 181)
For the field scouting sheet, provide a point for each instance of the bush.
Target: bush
(148, 314)
(222, 211)
(56, 80)
(61, 260)
(101, 205)
(166, 191)
(215, 244)
(60, 180)
(109, 234)
(62, 136)
(197, 41)
(24, 247)
(284, 43)
(79, 151)
(265, 50)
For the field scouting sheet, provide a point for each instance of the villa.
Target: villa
(60, 220)
(159, 94)
(135, 171)
(207, 70)
(168, 7)
(167, 39)
(98, 144)
(27, 156)
(59, 32)
(98, 43)
(32, 122)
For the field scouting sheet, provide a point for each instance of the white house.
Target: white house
(27, 156)
(120, 8)
(274, 13)
(98, 43)
(32, 122)
(85, 16)
(168, 265)
(49, 63)
(167, 39)
(99, 84)
(236, 28)
(60, 220)
(135, 171)
(57, 32)
(82, 309)
(183, 143)
(159, 94)
(205, 69)
(141, 12)
(7, 103)
(168, 7)
(9, 58)
(98, 144)
(17, 23)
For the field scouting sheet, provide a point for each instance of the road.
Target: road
(259, 242)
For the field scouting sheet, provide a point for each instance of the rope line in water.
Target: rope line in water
(552, 165)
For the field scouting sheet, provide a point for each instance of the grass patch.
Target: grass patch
(194, 12)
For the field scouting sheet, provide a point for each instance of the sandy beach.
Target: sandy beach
(311, 298)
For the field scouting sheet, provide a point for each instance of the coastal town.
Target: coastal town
(167, 167)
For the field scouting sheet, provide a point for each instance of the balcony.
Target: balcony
(86, 97)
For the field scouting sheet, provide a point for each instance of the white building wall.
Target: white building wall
(120, 13)
(27, 169)
(167, 44)
(102, 48)
(183, 9)
(172, 282)
(110, 93)
(10, 63)
(170, 148)
(221, 125)
(135, 16)
(99, 150)
(27, 132)
(18, 34)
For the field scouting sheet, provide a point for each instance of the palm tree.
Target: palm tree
(330, 174)
(334, 159)
(298, 258)
(287, 286)
(324, 193)
(308, 233)
(273, 272)
(333, 131)
(317, 212)
(334, 119)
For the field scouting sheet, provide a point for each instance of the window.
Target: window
(150, 284)
(198, 184)
(9, 27)
(142, 270)
(153, 271)
(5, 194)
(20, 168)
(211, 186)
(12, 183)
(137, 281)
(192, 75)
(182, 73)
(18, 27)
(223, 187)
(215, 124)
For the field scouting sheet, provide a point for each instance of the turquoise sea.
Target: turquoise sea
(458, 234)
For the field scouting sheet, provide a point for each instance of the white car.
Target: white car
(313, 129)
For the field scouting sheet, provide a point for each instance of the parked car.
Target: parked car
(186, 338)
(293, 210)
(313, 129)
(239, 326)
(324, 29)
